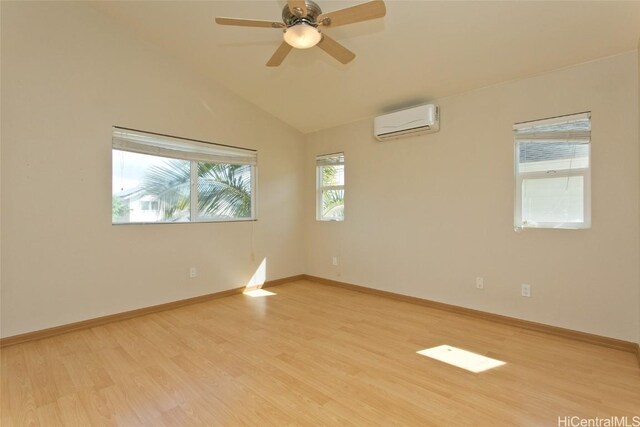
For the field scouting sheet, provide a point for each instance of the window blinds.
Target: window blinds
(330, 159)
(574, 128)
(179, 148)
(557, 143)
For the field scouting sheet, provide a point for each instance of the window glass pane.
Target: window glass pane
(332, 175)
(330, 187)
(332, 204)
(224, 191)
(553, 200)
(149, 188)
(159, 178)
(545, 156)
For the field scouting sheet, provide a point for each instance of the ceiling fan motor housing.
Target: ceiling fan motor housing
(313, 11)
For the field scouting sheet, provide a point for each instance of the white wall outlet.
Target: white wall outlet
(479, 283)
(193, 272)
(334, 261)
(526, 290)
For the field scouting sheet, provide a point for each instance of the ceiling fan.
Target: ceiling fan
(302, 21)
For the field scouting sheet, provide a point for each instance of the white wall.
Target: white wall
(426, 215)
(68, 75)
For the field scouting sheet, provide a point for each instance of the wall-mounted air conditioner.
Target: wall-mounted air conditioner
(409, 122)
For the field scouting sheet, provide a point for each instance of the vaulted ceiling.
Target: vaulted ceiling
(421, 50)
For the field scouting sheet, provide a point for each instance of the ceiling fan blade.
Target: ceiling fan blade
(249, 23)
(362, 12)
(297, 7)
(281, 53)
(335, 49)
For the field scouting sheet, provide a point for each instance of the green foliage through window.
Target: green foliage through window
(330, 182)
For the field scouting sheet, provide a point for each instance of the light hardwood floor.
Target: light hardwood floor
(310, 355)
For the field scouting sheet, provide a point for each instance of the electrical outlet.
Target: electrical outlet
(526, 290)
(335, 260)
(479, 283)
(193, 272)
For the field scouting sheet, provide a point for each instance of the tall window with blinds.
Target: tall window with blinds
(165, 179)
(552, 168)
(330, 187)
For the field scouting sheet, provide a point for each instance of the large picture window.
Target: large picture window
(164, 179)
(552, 166)
(330, 187)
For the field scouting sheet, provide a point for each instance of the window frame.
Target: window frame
(584, 172)
(191, 147)
(320, 189)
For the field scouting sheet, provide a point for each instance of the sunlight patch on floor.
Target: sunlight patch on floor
(461, 358)
(258, 293)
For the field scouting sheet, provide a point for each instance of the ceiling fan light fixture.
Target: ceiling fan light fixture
(302, 35)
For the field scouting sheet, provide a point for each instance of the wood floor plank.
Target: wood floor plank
(309, 355)
(17, 388)
(123, 413)
(50, 415)
(72, 411)
(41, 373)
(98, 407)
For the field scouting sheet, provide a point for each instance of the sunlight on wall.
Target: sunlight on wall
(461, 358)
(259, 277)
(257, 280)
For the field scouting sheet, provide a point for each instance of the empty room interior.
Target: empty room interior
(420, 213)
